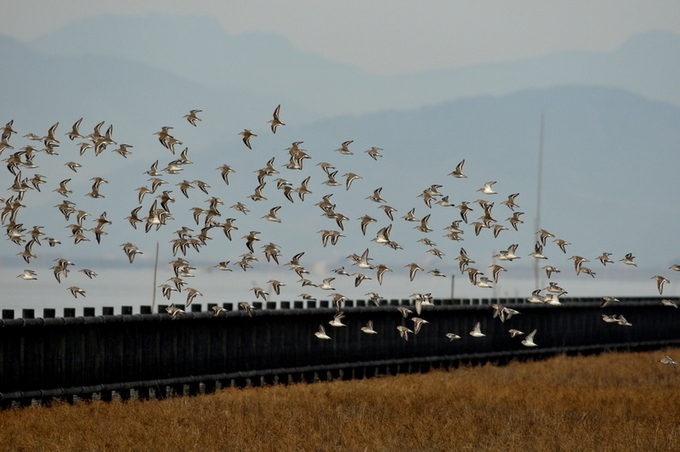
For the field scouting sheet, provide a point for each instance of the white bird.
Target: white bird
(326, 284)
(368, 329)
(321, 334)
(477, 331)
(337, 319)
(487, 190)
(28, 275)
(452, 336)
(529, 340)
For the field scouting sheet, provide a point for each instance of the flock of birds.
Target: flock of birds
(209, 219)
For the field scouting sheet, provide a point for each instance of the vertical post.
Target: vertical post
(537, 225)
(155, 272)
(453, 277)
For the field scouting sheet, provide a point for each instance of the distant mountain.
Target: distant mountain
(137, 98)
(198, 49)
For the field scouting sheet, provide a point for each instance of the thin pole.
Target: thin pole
(538, 190)
(453, 277)
(155, 272)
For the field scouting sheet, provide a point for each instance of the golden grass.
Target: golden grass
(611, 402)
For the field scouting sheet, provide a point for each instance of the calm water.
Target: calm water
(118, 287)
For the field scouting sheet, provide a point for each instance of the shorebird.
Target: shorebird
(476, 331)
(271, 216)
(337, 319)
(358, 278)
(276, 285)
(538, 251)
(326, 284)
(63, 189)
(458, 172)
(628, 259)
(275, 121)
(423, 224)
(350, 177)
(368, 329)
(669, 303)
(660, 281)
(487, 190)
(452, 336)
(380, 272)
(529, 339)
(224, 172)
(89, 273)
(509, 254)
(247, 135)
(549, 270)
(513, 332)
(344, 148)
(376, 196)
(417, 324)
(608, 300)
(578, 262)
(610, 318)
(383, 235)
(623, 322)
(404, 311)
(436, 272)
(535, 297)
(192, 118)
(436, 252)
(510, 202)
(515, 220)
(388, 211)
(484, 282)
(73, 166)
(374, 153)
(543, 236)
(321, 334)
(217, 310)
(260, 293)
(668, 361)
(130, 251)
(362, 262)
(174, 311)
(28, 275)
(365, 220)
(75, 291)
(338, 298)
(413, 268)
(374, 297)
(675, 267)
(562, 244)
(191, 294)
(248, 308)
(403, 332)
(166, 290)
(604, 258)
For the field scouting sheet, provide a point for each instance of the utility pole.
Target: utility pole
(537, 225)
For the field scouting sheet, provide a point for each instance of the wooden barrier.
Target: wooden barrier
(150, 354)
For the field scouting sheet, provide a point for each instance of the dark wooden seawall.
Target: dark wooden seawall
(43, 358)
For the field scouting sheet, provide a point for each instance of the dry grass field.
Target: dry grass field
(611, 402)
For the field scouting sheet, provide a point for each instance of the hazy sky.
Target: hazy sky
(390, 36)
